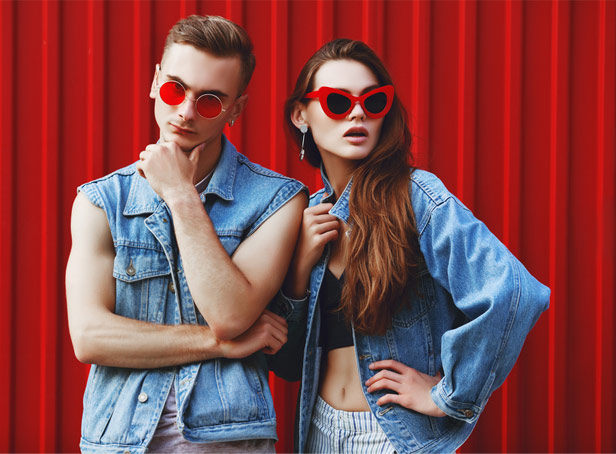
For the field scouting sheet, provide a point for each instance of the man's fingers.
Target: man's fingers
(194, 154)
(140, 170)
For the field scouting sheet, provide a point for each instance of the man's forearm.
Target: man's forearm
(210, 271)
(113, 340)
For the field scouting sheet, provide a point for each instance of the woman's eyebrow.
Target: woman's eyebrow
(365, 90)
(220, 94)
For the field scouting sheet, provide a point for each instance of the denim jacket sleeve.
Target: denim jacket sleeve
(499, 297)
(287, 363)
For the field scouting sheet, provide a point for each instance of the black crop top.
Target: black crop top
(335, 331)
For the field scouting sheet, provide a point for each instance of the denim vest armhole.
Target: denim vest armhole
(284, 194)
(91, 192)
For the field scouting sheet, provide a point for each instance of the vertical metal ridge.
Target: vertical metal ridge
(273, 83)
(44, 185)
(552, 224)
(506, 187)
(608, 440)
(90, 95)
(600, 251)
(234, 10)
(136, 148)
(466, 111)
(461, 99)
(365, 22)
(49, 227)
(420, 88)
(7, 108)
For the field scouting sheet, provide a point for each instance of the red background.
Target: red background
(510, 103)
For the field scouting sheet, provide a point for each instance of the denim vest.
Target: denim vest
(474, 307)
(218, 400)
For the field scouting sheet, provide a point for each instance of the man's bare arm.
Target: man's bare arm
(231, 292)
(102, 337)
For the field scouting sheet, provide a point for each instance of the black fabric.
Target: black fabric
(335, 331)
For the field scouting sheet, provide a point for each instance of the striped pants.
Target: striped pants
(337, 431)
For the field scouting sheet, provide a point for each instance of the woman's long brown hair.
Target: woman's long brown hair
(383, 253)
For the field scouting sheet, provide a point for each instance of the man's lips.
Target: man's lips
(181, 130)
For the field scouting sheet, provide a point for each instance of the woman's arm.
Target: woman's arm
(500, 298)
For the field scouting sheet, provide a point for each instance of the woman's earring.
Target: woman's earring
(231, 123)
(303, 129)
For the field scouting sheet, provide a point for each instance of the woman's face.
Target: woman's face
(353, 137)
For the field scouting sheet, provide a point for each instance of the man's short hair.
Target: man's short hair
(217, 36)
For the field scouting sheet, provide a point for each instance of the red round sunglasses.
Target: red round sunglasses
(208, 105)
(337, 103)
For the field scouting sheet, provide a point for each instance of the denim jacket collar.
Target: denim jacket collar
(142, 199)
(341, 206)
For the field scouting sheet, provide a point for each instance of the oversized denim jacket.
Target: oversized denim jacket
(218, 400)
(474, 307)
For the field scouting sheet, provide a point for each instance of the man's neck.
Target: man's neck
(208, 158)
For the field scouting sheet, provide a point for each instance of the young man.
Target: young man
(173, 262)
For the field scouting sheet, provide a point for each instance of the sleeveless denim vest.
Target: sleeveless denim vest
(218, 400)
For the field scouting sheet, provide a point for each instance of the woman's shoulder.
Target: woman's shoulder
(428, 188)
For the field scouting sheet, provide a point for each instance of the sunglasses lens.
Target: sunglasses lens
(209, 106)
(376, 103)
(338, 104)
(172, 93)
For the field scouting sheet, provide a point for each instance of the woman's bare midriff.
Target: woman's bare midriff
(340, 384)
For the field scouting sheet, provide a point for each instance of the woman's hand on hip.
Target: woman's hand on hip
(412, 387)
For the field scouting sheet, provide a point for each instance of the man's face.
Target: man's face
(200, 73)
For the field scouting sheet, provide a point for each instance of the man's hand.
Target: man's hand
(170, 171)
(412, 387)
(269, 334)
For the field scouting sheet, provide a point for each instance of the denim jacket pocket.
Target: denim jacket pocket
(144, 275)
(421, 301)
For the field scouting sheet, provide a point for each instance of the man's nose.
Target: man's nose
(188, 109)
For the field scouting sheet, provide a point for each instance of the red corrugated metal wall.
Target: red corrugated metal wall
(511, 104)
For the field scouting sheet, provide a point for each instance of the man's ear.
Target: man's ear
(237, 108)
(298, 115)
(154, 82)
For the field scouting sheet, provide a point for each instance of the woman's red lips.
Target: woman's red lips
(356, 131)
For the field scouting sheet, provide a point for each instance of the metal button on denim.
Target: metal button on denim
(143, 397)
(130, 269)
(171, 287)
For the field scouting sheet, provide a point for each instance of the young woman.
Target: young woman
(414, 312)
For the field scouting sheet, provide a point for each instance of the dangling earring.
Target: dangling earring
(231, 123)
(303, 129)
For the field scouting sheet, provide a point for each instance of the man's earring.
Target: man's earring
(303, 129)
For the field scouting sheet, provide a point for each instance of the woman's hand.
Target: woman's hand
(412, 387)
(318, 228)
(268, 334)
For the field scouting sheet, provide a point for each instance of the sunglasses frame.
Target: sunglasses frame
(196, 100)
(323, 92)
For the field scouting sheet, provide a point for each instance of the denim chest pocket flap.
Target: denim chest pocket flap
(421, 301)
(133, 264)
